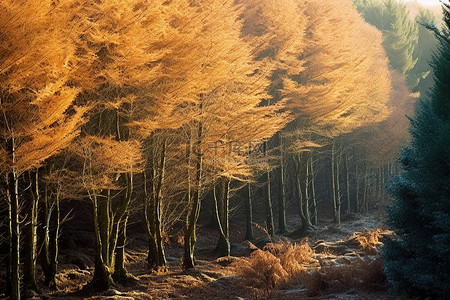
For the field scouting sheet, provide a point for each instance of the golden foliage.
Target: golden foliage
(39, 117)
(103, 159)
(344, 86)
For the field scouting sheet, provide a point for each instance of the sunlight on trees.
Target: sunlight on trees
(161, 112)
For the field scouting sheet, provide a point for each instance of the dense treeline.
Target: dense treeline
(161, 104)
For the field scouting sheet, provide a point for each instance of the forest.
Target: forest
(224, 149)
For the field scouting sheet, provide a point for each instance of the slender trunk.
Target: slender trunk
(30, 246)
(357, 190)
(149, 217)
(162, 264)
(45, 216)
(117, 240)
(365, 202)
(121, 274)
(50, 278)
(307, 192)
(347, 182)
(249, 215)
(268, 198)
(14, 230)
(282, 197)
(269, 209)
(156, 259)
(313, 190)
(14, 238)
(192, 216)
(223, 244)
(190, 233)
(301, 192)
(50, 218)
(102, 274)
(335, 186)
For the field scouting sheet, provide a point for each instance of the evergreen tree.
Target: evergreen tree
(417, 262)
(400, 33)
(427, 43)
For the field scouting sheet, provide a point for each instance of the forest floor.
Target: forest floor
(336, 265)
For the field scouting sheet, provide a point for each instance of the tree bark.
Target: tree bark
(156, 259)
(335, 186)
(268, 200)
(50, 219)
(282, 226)
(301, 180)
(30, 245)
(312, 182)
(14, 230)
(347, 183)
(194, 212)
(14, 236)
(222, 211)
(102, 279)
(249, 215)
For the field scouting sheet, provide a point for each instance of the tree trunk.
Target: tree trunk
(223, 244)
(30, 245)
(249, 215)
(282, 197)
(192, 216)
(156, 259)
(149, 218)
(302, 192)
(117, 240)
(121, 274)
(269, 209)
(14, 230)
(313, 190)
(268, 202)
(335, 186)
(14, 236)
(50, 219)
(357, 190)
(102, 279)
(347, 183)
(306, 194)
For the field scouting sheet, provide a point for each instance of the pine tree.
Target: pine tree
(417, 262)
(426, 45)
(400, 34)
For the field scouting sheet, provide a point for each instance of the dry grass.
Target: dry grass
(361, 275)
(284, 264)
(276, 265)
(368, 240)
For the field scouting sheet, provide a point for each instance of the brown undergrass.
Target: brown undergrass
(361, 275)
(284, 264)
(368, 240)
(276, 265)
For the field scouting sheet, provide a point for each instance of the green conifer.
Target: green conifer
(418, 261)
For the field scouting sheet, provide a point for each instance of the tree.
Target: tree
(344, 87)
(400, 34)
(39, 117)
(275, 30)
(426, 45)
(101, 160)
(122, 44)
(416, 262)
